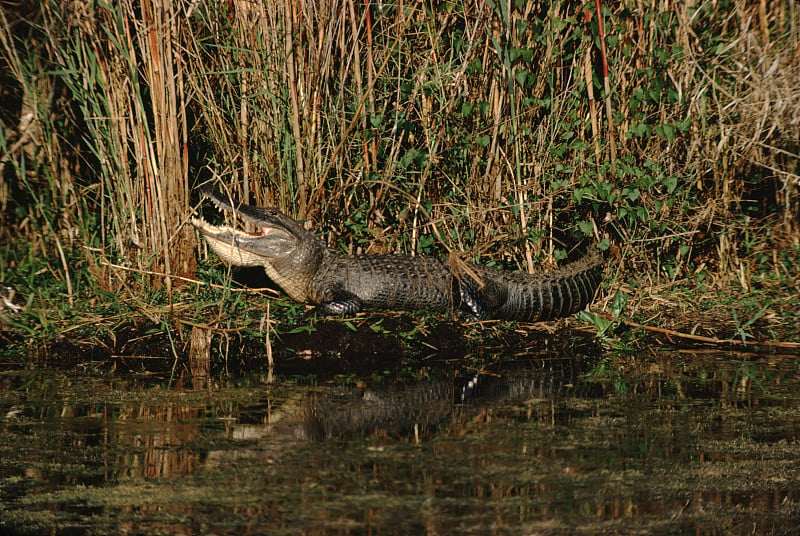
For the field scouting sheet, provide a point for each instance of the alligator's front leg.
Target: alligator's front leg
(343, 303)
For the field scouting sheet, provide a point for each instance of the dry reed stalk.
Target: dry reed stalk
(168, 180)
(588, 78)
(612, 144)
(295, 75)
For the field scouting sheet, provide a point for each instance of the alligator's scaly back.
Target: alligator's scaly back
(297, 261)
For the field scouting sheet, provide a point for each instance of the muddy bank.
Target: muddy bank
(361, 347)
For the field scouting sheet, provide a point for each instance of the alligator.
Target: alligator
(308, 271)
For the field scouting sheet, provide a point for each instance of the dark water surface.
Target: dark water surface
(669, 443)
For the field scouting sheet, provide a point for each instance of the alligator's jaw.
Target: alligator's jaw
(226, 241)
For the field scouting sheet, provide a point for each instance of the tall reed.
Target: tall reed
(121, 66)
(491, 128)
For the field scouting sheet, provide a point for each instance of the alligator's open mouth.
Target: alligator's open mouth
(214, 230)
(272, 241)
(271, 238)
(233, 245)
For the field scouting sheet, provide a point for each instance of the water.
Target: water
(672, 443)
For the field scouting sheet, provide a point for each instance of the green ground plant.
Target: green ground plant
(504, 131)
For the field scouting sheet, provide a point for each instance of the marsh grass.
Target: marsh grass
(505, 132)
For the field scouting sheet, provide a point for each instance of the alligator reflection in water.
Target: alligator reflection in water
(421, 407)
(154, 436)
(683, 444)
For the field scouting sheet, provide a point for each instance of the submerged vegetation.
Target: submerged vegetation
(505, 132)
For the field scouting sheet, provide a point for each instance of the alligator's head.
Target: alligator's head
(289, 253)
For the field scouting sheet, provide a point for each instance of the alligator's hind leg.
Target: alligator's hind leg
(471, 305)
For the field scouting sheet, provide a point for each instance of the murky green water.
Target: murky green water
(672, 443)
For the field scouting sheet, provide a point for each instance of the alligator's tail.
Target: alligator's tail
(545, 296)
